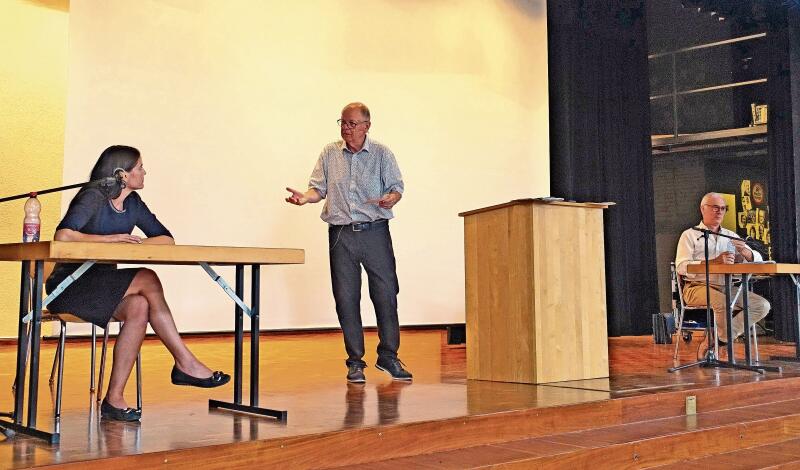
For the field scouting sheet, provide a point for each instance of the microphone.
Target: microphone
(703, 230)
(118, 176)
(711, 232)
(111, 181)
(107, 182)
(110, 185)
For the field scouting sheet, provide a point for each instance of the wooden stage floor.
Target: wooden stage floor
(304, 374)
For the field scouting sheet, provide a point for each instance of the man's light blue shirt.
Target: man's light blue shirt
(349, 180)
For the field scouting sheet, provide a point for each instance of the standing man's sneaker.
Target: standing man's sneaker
(355, 374)
(393, 367)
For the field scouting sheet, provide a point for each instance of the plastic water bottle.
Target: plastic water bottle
(32, 224)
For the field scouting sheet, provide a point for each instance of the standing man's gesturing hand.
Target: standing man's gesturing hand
(389, 200)
(297, 198)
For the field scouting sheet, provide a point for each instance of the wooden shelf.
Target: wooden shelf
(699, 141)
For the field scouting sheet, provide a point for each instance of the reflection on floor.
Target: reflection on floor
(304, 374)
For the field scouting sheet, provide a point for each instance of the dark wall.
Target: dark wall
(784, 149)
(679, 181)
(672, 27)
(600, 141)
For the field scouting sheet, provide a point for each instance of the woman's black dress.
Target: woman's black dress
(96, 294)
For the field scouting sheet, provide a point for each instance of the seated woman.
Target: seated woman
(108, 213)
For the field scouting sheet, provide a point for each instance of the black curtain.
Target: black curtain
(784, 150)
(600, 142)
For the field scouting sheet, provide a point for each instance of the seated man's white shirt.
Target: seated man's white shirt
(691, 250)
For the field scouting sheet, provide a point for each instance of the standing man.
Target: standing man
(721, 250)
(360, 182)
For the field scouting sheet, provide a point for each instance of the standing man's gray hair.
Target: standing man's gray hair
(359, 106)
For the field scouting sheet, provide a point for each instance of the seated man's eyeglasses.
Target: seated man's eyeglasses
(348, 124)
(716, 208)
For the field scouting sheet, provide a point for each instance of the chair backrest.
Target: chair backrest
(677, 287)
(50, 316)
(678, 283)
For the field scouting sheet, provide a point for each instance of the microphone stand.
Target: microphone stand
(710, 359)
(100, 182)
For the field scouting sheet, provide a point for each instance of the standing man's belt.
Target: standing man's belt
(362, 226)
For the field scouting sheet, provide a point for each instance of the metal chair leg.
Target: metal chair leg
(61, 343)
(93, 353)
(102, 364)
(679, 336)
(755, 341)
(715, 339)
(56, 355)
(139, 380)
(754, 336)
(24, 360)
(28, 334)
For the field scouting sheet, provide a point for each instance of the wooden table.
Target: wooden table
(747, 270)
(36, 254)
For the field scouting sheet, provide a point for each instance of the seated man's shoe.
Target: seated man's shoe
(109, 411)
(393, 367)
(181, 378)
(355, 374)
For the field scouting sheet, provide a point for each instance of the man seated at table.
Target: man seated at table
(721, 250)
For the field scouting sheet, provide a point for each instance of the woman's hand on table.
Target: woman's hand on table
(122, 238)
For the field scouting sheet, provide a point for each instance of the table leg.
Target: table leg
(797, 323)
(255, 326)
(237, 405)
(746, 316)
(796, 357)
(239, 332)
(22, 351)
(22, 341)
(36, 337)
(729, 319)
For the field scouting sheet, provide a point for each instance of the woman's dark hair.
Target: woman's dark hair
(111, 161)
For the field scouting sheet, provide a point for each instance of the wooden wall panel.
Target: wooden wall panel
(474, 324)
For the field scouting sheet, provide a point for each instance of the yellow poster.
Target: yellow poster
(729, 221)
(752, 220)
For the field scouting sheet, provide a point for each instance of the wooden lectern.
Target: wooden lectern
(536, 292)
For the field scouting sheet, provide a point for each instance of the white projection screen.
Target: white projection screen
(230, 101)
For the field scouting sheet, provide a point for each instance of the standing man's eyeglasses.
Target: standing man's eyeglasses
(717, 208)
(348, 124)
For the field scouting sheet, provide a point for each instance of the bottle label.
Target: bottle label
(30, 233)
